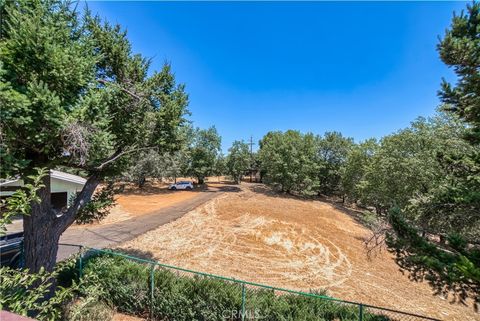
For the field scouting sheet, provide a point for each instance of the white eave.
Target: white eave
(57, 175)
(67, 177)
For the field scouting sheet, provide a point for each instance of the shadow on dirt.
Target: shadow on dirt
(157, 189)
(137, 253)
(271, 192)
(147, 189)
(357, 214)
(223, 188)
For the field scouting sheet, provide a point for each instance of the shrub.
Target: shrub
(176, 297)
(34, 294)
(126, 283)
(88, 309)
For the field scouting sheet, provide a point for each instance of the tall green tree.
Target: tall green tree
(150, 164)
(220, 167)
(175, 165)
(203, 153)
(453, 206)
(238, 160)
(73, 94)
(405, 168)
(460, 50)
(289, 161)
(333, 149)
(355, 166)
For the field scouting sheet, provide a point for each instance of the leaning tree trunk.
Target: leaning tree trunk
(43, 227)
(40, 236)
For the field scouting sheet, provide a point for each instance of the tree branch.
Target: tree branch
(69, 216)
(119, 153)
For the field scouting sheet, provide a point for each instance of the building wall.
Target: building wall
(56, 186)
(64, 186)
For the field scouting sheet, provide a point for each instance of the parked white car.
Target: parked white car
(181, 185)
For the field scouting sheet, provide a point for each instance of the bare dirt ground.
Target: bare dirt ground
(134, 202)
(291, 243)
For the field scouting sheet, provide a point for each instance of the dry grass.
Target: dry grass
(292, 243)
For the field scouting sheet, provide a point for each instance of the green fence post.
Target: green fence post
(360, 313)
(152, 287)
(243, 301)
(80, 262)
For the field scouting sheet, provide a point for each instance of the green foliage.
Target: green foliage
(333, 150)
(452, 205)
(30, 294)
(99, 206)
(458, 200)
(289, 161)
(203, 152)
(150, 164)
(71, 83)
(189, 297)
(304, 163)
(89, 309)
(87, 304)
(20, 202)
(238, 160)
(404, 168)
(460, 49)
(74, 95)
(220, 167)
(454, 267)
(54, 296)
(358, 159)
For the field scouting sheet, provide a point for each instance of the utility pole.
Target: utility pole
(251, 158)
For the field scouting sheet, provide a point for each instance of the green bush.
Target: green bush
(126, 283)
(88, 309)
(179, 297)
(51, 296)
(34, 294)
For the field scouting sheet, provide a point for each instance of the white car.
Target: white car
(181, 185)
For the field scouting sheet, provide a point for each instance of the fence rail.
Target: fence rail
(352, 310)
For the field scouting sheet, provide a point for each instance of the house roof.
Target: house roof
(67, 177)
(54, 174)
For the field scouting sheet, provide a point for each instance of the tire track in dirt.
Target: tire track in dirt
(291, 243)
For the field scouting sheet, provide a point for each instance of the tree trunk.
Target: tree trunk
(43, 228)
(40, 236)
(201, 180)
(141, 182)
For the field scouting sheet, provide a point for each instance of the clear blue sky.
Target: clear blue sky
(365, 69)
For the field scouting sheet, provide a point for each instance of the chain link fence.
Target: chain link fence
(159, 291)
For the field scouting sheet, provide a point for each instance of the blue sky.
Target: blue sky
(365, 69)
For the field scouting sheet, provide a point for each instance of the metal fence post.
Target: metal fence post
(152, 287)
(360, 312)
(80, 262)
(243, 301)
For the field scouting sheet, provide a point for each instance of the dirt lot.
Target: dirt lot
(134, 202)
(297, 244)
